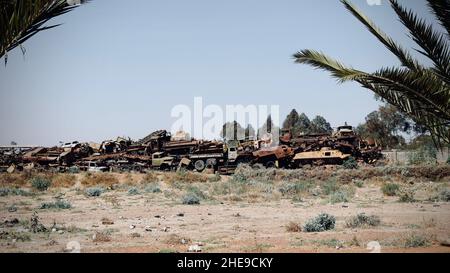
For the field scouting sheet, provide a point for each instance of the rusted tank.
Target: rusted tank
(279, 156)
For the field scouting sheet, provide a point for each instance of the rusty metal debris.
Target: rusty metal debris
(160, 150)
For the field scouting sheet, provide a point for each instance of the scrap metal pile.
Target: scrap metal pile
(160, 150)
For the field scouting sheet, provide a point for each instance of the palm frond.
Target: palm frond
(421, 93)
(22, 19)
(321, 61)
(405, 58)
(434, 44)
(441, 9)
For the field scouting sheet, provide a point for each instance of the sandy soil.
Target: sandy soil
(159, 222)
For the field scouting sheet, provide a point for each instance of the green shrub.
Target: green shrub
(14, 191)
(363, 220)
(390, 189)
(215, 178)
(153, 188)
(330, 186)
(415, 240)
(350, 163)
(4, 191)
(321, 223)
(426, 154)
(334, 243)
(407, 197)
(94, 191)
(190, 199)
(448, 159)
(73, 169)
(133, 191)
(358, 183)
(339, 197)
(444, 195)
(40, 183)
(294, 188)
(197, 192)
(59, 204)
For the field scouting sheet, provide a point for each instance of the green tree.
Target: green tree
(268, 127)
(422, 93)
(384, 126)
(304, 124)
(319, 125)
(232, 131)
(291, 122)
(250, 132)
(22, 19)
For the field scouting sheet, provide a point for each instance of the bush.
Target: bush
(407, 197)
(415, 240)
(287, 189)
(197, 192)
(358, 183)
(59, 204)
(191, 199)
(73, 170)
(94, 191)
(390, 189)
(350, 163)
(339, 197)
(426, 154)
(4, 191)
(363, 220)
(133, 191)
(321, 223)
(331, 186)
(40, 183)
(153, 188)
(448, 159)
(215, 178)
(444, 195)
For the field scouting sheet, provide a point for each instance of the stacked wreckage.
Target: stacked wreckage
(160, 150)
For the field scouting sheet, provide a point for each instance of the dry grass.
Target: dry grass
(186, 177)
(174, 239)
(150, 177)
(14, 179)
(63, 180)
(101, 237)
(293, 227)
(94, 179)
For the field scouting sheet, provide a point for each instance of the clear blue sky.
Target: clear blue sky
(116, 68)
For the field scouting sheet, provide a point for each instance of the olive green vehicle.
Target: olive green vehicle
(162, 161)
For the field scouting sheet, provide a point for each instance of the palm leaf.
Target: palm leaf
(434, 44)
(22, 19)
(395, 48)
(441, 9)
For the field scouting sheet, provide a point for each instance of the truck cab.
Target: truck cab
(161, 161)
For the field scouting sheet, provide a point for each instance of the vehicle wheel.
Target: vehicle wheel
(199, 165)
(211, 162)
(270, 164)
(257, 166)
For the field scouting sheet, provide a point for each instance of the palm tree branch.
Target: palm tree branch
(404, 57)
(22, 19)
(384, 77)
(441, 9)
(434, 44)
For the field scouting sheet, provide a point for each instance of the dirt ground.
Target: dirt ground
(131, 217)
